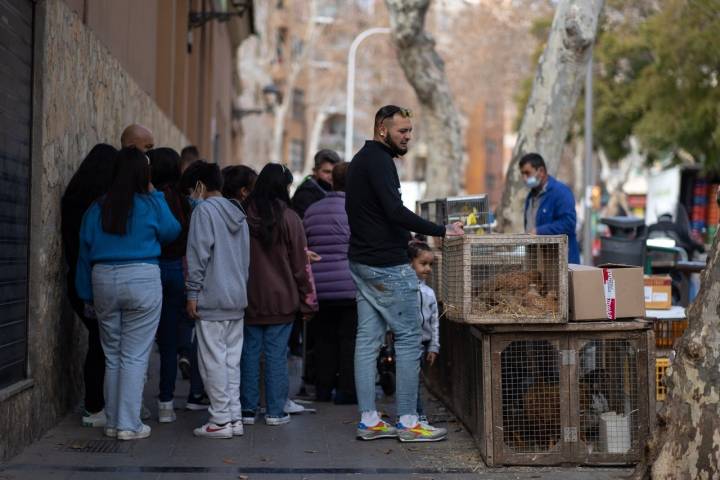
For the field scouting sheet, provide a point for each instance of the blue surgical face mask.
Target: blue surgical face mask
(532, 182)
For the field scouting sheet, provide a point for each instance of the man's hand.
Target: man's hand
(191, 308)
(454, 230)
(431, 356)
(313, 257)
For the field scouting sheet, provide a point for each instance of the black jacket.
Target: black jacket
(310, 191)
(380, 224)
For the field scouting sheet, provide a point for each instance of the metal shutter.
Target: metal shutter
(16, 34)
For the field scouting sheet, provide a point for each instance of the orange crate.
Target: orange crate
(661, 366)
(668, 330)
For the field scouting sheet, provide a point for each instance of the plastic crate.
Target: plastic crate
(661, 366)
(667, 331)
(490, 279)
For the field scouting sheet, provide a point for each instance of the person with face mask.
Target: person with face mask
(550, 205)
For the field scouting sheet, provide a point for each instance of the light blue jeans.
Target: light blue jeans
(128, 301)
(272, 340)
(387, 298)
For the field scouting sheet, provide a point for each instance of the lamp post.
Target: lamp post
(588, 167)
(350, 94)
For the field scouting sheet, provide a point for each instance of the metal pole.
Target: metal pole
(588, 165)
(350, 94)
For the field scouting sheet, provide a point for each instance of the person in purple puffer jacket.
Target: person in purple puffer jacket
(328, 235)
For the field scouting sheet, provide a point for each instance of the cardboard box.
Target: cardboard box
(658, 292)
(593, 297)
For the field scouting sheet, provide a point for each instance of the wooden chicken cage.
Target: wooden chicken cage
(495, 279)
(578, 393)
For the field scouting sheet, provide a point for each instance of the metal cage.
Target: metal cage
(490, 279)
(579, 393)
(472, 210)
(431, 210)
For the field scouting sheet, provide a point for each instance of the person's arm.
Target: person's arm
(83, 270)
(297, 256)
(564, 219)
(199, 249)
(389, 196)
(168, 226)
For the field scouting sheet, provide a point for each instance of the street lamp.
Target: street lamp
(350, 95)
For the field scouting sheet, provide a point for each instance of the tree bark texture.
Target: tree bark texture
(425, 71)
(686, 444)
(558, 82)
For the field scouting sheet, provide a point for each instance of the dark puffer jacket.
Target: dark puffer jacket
(328, 235)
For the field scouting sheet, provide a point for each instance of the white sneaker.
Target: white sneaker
(211, 430)
(144, 432)
(237, 428)
(94, 419)
(292, 407)
(248, 418)
(275, 421)
(110, 432)
(145, 412)
(166, 412)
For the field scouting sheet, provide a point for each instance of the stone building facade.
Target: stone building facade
(81, 95)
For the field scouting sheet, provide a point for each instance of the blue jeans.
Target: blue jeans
(387, 298)
(272, 340)
(128, 300)
(173, 306)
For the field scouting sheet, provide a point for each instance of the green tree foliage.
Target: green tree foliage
(657, 78)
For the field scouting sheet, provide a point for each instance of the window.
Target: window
(297, 155)
(280, 4)
(298, 104)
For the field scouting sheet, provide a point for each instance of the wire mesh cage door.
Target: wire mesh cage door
(609, 397)
(530, 393)
(434, 280)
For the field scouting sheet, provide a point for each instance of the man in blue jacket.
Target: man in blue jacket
(550, 205)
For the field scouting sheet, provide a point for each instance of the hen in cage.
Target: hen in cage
(522, 293)
(594, 396)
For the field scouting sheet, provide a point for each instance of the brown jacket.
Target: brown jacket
(279, 285)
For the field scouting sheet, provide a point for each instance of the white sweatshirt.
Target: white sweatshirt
(430, 319)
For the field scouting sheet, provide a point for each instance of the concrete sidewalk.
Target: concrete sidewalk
(313, 446)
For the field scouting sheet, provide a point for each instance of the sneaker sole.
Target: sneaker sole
(277, 423)
(167, 419)
(93, 424)
(132, 436)
(422, 439)
(248, 421)
(370, 437)
(196, 407)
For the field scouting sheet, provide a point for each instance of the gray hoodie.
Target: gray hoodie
(218, 258)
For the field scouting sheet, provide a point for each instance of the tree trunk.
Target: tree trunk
(425, 71)
(686, 444)
(319, 120)
(558, 82)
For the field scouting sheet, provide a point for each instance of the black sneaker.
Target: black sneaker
(201, 402)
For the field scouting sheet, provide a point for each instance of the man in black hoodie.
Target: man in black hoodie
(316, 186)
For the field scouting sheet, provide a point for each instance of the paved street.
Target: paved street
(313, 447)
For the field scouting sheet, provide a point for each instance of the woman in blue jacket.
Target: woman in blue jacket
(118, 275)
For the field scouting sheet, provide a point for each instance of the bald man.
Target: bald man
(137, 136)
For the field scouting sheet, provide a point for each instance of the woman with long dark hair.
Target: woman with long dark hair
(165, 169)
(91, 180)
(238, 182)
(118, 274)
(278, 288)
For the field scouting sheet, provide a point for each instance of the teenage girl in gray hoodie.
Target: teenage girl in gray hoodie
(218, 258)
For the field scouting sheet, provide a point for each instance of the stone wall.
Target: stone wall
(82, 96)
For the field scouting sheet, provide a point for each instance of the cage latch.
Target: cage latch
(571, 435)
(568, 357)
